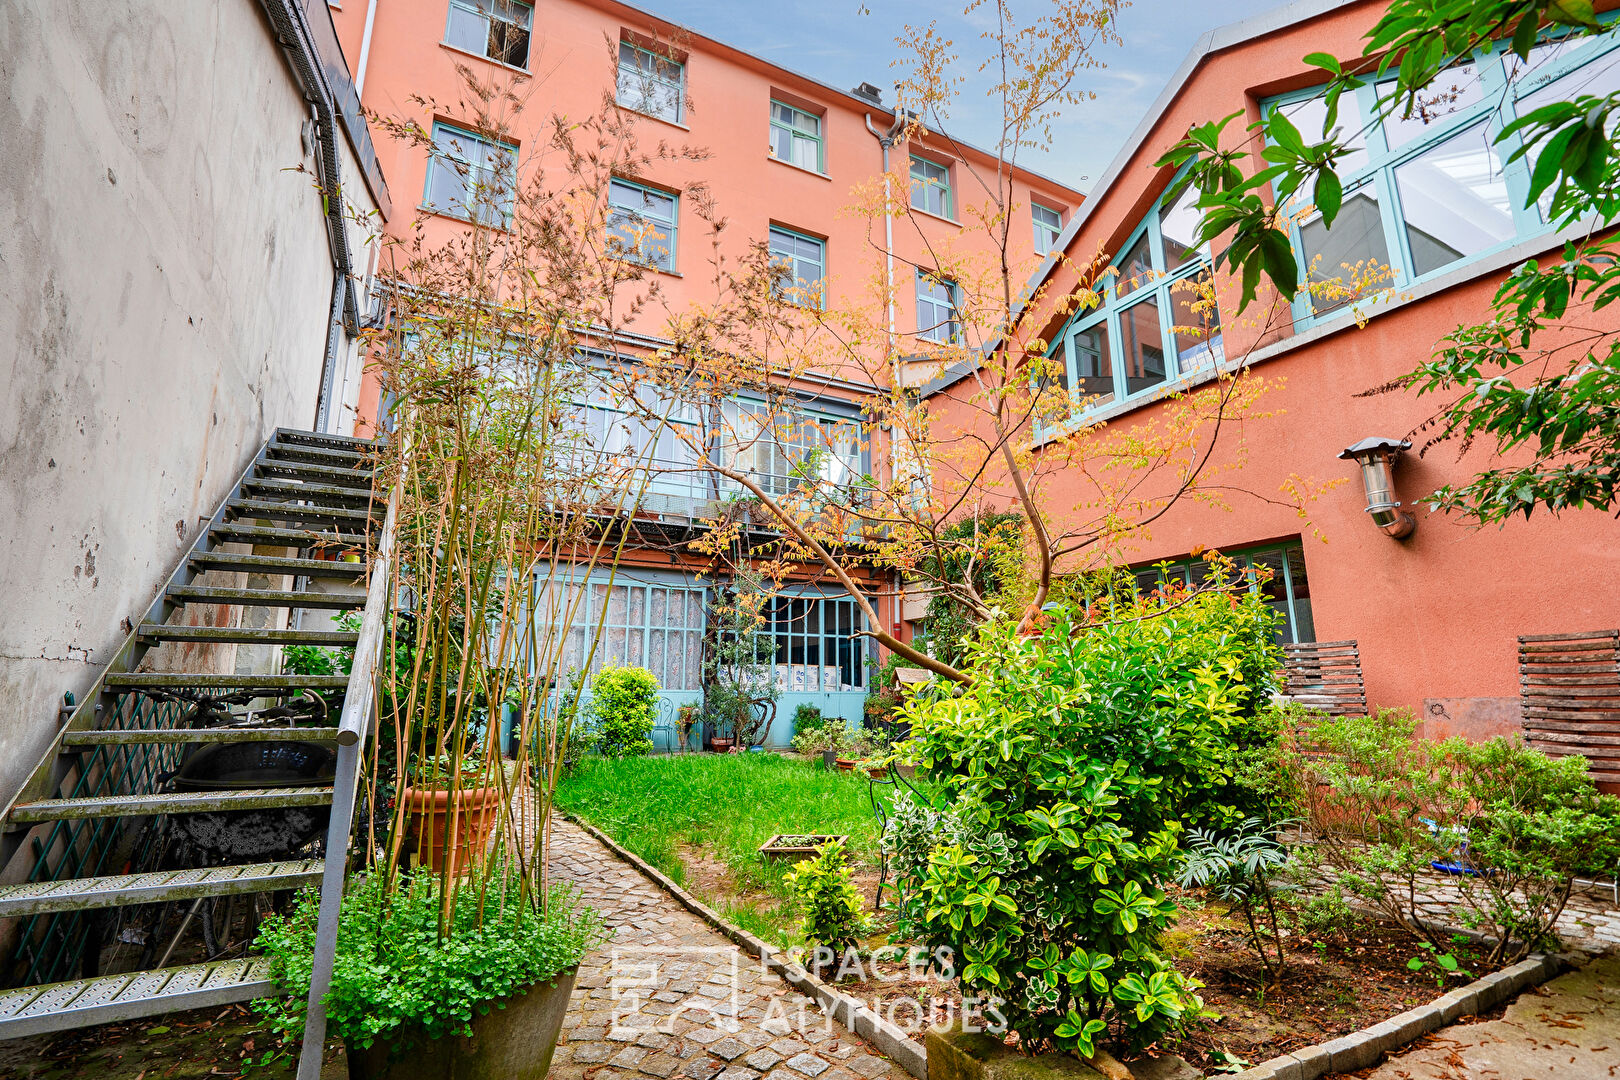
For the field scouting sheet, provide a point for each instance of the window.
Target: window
(1048, 227)
(497, 29)
(803, 261)
(651, 84)
(655, 625)
(783, 449)
(796, 137)
(1428, 192)
(1156, 322)
(641, 224)
(606, 436)
(1286, 590)
(930, 187)
(937, 309)
(470, 177)
(818, 643)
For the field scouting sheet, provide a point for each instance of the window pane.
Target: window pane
(1136, 268)
(1338, 255)
(805, 152)
(1195, 324)
(1094, 365)
(1269, 565)
(656, 609)
(1309, 115)
(1455, 201)
(468, 29)
(655, 653)
(1142, 345)
(1304, 626)
(1178, 224)
(930, 188)
(1598, 78)
(448, 186)
(1454, 91)
(1048, 227)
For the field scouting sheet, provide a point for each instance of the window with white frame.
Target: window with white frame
(937, 315)
(930, 186)
(803, 263)
(1426, 193)
(496, 29)
(1277, 573)
(1156, 321)
(651, 83)
(1048, 227)
(651, 624)
(784, 448)
(796, 137)
(615, 431)
(641, 223)
(470, 177)
(818, 643)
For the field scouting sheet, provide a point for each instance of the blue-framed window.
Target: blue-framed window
(646, 622)
(796, 137)
(1155, 322)
(931, 186)
(642, 223)
(1431, 192)
(608, 436)
(783, 449)
(938, 316)
(1287, 591)
(470, 177)
(803, 262)
(1048, 227)
(819, 647)
(651, 83)
(496, 29)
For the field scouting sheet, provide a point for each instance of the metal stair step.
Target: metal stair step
(170, 680)
(38, 1010)
(317, 493)
(249, 635)
(343, 476)
(128, 736)
(276, 564)
(320, 455)
(207, 594)
(83, 894)
(279, 510)
(238, 532)
(320, 438)
(185, 802)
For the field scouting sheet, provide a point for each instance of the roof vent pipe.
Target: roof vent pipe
(1377, 460)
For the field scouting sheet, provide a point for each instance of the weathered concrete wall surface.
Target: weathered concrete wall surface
(164, 290)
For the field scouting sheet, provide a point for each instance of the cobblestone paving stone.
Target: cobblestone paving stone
(669, 997)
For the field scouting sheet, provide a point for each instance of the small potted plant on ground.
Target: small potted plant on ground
(448, 810)
(687, 718)
(826, 741)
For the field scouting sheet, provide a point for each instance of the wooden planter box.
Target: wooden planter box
(802, 846)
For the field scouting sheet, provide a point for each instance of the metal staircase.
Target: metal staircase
(91, 804)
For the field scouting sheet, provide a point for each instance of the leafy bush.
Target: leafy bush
(831, 735)
(1240, 869)
(825, 888)
(624, 705)
(1076, 757)
(1514, 825)
(397, 978)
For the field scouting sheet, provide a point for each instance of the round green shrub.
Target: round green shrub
(624, 705)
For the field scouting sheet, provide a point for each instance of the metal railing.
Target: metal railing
(354, 726)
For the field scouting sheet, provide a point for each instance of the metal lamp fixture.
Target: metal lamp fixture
(1377, 460)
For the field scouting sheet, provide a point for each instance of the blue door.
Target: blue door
(820, 658)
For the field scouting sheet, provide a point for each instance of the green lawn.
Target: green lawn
(726, 805)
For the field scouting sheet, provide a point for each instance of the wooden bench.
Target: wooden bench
(1569, 695)
(1325, 676)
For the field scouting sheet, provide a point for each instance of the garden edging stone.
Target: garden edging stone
(893, 1042)
(1361, 1049)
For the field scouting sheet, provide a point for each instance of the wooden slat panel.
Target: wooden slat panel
(1569, 714)
(1574, 649)
(1589, 635)
(1541, 668)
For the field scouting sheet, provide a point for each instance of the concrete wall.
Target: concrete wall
(165, 282)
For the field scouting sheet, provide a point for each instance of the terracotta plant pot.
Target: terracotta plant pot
(721, 746)
(514, 1042)
(427, 823)
(847, 764)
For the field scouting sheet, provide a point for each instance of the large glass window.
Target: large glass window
(930, 186)
(936, 309)
(651, 83)
(470, 177)
(641, 224)
(783, 449)
(1278, 573)
(1157, 321)
(1048, 227)
(1428, 189)
(818, 647)
(803, 261)
(497, 29)
(644, 624)
(796, 137)
(607, 437)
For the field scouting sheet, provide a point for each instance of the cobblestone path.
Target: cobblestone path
(668, 996)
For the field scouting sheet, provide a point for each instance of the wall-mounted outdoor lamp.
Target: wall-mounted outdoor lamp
(1377, 460)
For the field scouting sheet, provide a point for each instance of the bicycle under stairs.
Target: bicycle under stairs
(107, 777)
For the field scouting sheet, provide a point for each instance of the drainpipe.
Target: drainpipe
(365, 49)
(886, 140)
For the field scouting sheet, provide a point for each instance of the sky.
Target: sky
(847, 42)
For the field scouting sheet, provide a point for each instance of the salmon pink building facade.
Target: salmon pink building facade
(1436, 614)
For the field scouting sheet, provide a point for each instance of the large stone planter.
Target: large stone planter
(957, 1055)
(511, 1043)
